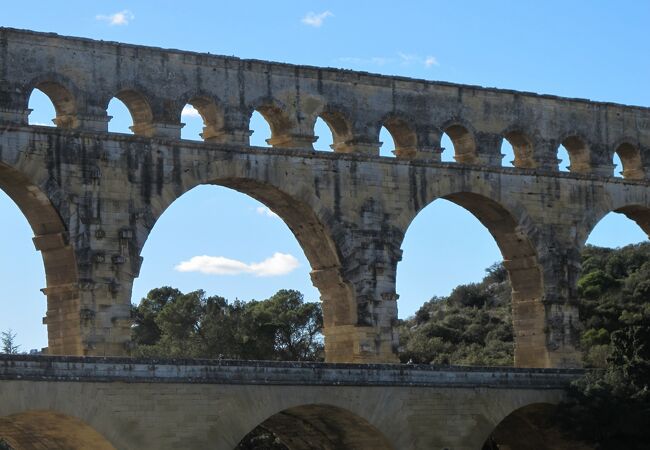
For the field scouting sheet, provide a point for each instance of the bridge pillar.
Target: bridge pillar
(360, 304)
(545, 313)
(488, 149)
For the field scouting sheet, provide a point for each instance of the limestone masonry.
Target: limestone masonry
(93, 197)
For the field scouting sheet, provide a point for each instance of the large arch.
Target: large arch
(531, 427)
(37, 430)
(636, 212)
(512, 231)
(326, 427)
(51, 238)
(316, 238)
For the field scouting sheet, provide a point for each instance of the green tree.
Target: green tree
(169, 323)
(610, 409)
(9, 345)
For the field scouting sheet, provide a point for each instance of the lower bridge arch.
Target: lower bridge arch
(531, 427)
(49, 430)
(320, 426)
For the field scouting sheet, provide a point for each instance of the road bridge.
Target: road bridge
(76, 403)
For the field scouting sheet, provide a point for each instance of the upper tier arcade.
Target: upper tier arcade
(81, 76)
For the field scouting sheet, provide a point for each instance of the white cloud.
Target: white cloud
(119, 18)
(316, 20)
(190, 111)
(431, 61)
(265, 211)
(276, 265)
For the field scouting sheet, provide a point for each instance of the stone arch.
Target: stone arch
(35, 430)
(63, 95)
(324, 427)
(630, 155)
(463, 137)
(275, 114)
(638, 213)
(140, 109)
(315, 232)
(211, 114)
(51, 238)
(523, 147)
(339, 124)
(579, 152)
(531, 427)
(515, 236)
(403, 134)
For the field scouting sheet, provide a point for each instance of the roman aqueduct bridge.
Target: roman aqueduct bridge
(93, 197)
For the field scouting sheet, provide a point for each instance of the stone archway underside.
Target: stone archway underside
(324, 427)
(49, 430)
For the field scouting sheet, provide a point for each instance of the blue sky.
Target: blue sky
(589, 49)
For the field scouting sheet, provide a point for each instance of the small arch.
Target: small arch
(61, 96)
(41, 109)
(579, 155)
(324, 135)
(632, 165)
(279, 123)
(531, 427)
(522, 148)
(34, 430)
(403, 135)
(319, 426)
(139, 109)
(340, 128)
(205, 108)
(387, 147)
(463, 142)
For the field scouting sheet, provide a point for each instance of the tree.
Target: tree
(169, 323)
(610, 409)
(9, 345)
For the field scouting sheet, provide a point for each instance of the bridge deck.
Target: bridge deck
(93, 369)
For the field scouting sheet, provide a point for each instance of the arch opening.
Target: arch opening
(317, 426)
(629, 161)
(278, 123)
(508, 242)
(518, 150)
(260, 130)
(463, 143)
(279, 260)
(339, 128)
(532, 427)
(325, 136)
(35, 430)
(140, 115)
(201, 120)
(387, 147)
(404, 138)
(578, 154)
(59, 262)
(42, 112)
(60, 99)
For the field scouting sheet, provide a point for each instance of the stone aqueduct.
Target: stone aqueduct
(93, 197)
